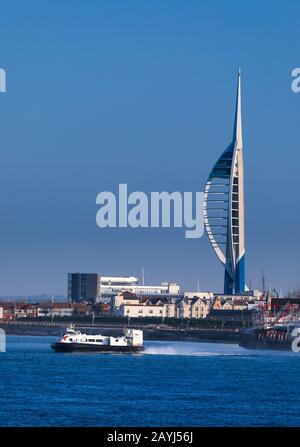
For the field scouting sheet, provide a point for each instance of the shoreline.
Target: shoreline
(150, 333)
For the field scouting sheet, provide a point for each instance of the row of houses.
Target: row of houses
(15, 310)
(124, 305)
(188, 305)
(131, 305)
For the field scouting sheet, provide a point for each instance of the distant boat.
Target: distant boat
(74, 340)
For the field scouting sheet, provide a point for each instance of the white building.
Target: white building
(19, 312)
(56, 310)
(118, 281)
(142, 310)
(147, 305)
(112, 285)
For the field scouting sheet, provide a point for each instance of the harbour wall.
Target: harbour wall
(151, 332)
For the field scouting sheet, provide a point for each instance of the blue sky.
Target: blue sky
(100, 93)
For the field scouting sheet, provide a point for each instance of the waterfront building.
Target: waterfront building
(153, 303)
(84, 287)
(48, 309)
(20, 311)
(115, 281)
(124, 298)
(141, 310)
(192, 308)
(14, 310)
(109, 291)
(250, 300)
(223, 207)
(55, 310)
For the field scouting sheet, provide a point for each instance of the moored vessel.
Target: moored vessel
(276, 325)
(279, 338)
(75, 340)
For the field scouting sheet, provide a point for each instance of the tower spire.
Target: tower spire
(237, 129)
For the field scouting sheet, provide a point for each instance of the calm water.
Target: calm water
(173, 383)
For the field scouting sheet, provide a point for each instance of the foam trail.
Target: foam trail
(192, 348)
(202, 349)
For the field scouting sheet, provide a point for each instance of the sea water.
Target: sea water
(170, 384)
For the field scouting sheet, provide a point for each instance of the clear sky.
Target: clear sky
(143, 92)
